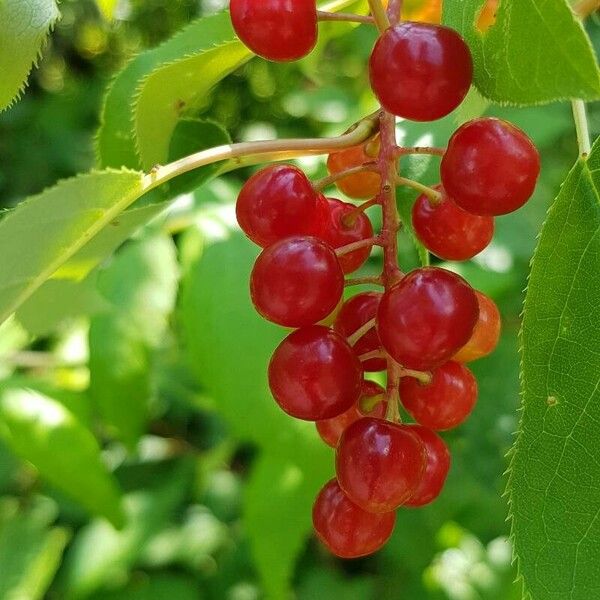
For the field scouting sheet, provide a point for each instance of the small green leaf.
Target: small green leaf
(43, 432)
(43, 232)
(536, 51)
(555, 468)
(24, 27)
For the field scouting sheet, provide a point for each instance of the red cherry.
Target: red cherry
(296, 282)
(445, 402)
(331, 430)
(342, 228)
(379, 464)
(490, 167)
(425, 318)
(360, 185)
(278, 202)
(486, 333)
(420, 71)
(346, 529)
(436, 469)
(355, 313)
(449, 231)
(314, 374)
(277, 30)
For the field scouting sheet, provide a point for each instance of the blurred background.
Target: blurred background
(159, 354)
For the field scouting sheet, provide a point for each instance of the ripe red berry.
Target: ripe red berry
(314, 374)
(490, 167)
(343, 226)
(486, 333)
(345, 528)
(360, 185)
(296, 282)
(449, 231)
(445, 402)
(427, 317)
(277, 30)
(379, 464)
(436, 469)
(355, 313)
(420, 71)
(277, 202)
(331, 430)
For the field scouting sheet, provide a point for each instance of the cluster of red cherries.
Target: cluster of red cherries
(426, 324)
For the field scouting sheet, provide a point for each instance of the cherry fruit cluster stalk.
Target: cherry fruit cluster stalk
(424, 325)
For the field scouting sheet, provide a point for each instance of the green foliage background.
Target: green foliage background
(141, 456)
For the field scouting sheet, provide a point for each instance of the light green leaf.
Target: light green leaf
(24, 25)
(537, 51)
(30, 551)
(140, 285)
(43, 232)
(107, 8)
(43, 432)
(555, 469)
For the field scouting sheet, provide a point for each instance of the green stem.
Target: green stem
(379, 14)
(348, 17)
(582, 127)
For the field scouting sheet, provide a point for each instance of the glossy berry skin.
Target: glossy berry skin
(356, 312)
(436, 469)
(426, 317)
(278, 30)
(444, 403)
(296, 282)
(379, 464)
(490, 167)
(314, 375)
(277, 202)
(339, 231)
(420, 71)
(347, 530)
(486, 333)
(360, 185)
(331, 430)
(449, 231)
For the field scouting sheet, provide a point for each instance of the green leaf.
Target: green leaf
(24, 27)
(107, 8)
(155, 587)
(30, 551)
(555, 468)
(140, 285)
(43, 432)
(537, 51)
(43, 232)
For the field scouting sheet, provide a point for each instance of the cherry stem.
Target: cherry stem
(371, 355)
(321, 184)
(423, 377)
(349, 17)
(361, 331)
(394, 10)
(379, 15)
(349, 219)
(373, 241)
(376, 280)
(582, 127)
(400, 151)
(434, 196)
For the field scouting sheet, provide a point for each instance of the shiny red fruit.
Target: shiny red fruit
(420, 71)
(444, 403)
(427, 317)
(436, 469)
(449, 231)
(345, 528)
(379, 464)
(360, 185)
(279, 30)
(314, 374)
(331, 430)
(486, 333)
(343, 226)
(277, 202)
(296, 282)
(490, 167)
(355, 313)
